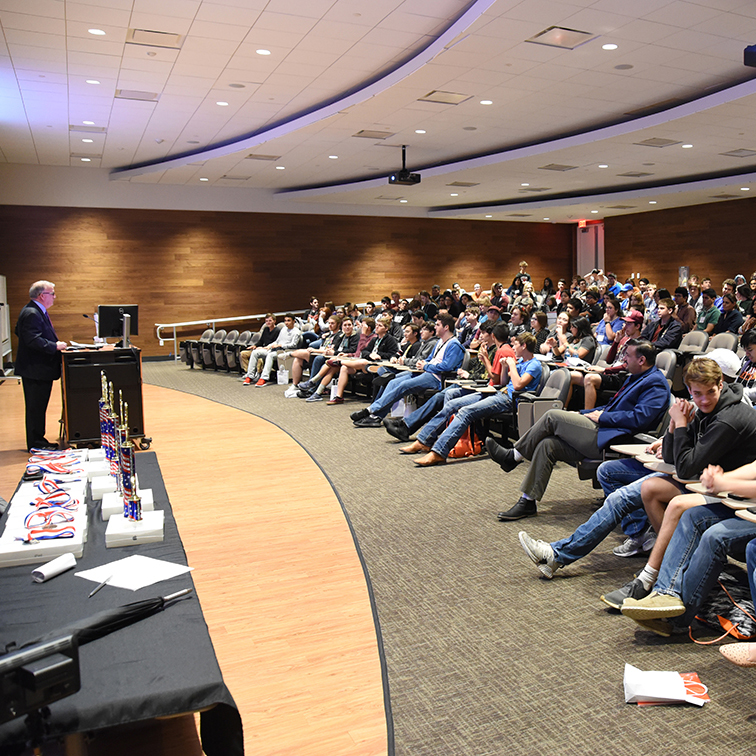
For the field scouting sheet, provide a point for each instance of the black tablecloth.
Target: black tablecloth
(162, 665)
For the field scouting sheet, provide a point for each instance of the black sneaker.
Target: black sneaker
(396, 429)
(371, 421)
(634, 590)
(359, 415)
(523, 508)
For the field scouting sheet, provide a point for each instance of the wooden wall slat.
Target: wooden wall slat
(181, 265)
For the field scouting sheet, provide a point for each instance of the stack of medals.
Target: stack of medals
(132, 504)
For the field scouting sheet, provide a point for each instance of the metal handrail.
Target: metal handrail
(210, 323)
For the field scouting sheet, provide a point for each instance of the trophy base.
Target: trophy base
(123, 532)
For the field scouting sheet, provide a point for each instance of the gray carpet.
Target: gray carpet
(484, 657)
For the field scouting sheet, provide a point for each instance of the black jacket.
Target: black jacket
(388, 348)
(38, 356)
(725, 437)
(669, 337)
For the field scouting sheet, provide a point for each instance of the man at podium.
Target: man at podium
(38, 360)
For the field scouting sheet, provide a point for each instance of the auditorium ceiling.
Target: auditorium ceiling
(526, 110)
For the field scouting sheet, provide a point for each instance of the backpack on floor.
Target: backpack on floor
(729, 606)
(470, 443)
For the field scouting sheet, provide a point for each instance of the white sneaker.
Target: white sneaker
(642, 543)
(540, 553)
(291, 392)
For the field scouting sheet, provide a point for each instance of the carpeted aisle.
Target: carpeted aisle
(484, 657)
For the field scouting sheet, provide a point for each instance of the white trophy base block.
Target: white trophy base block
(123, 532)
(112, 502)
(96, 455)
(15, 553)
(101, 485)
(96, 469)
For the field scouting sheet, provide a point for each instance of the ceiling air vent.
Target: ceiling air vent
(741, 153)
(234, 178)
(154, 38)
(621, 207)
(557, 167)
(368, 134)
(657, 142)
(519, 215)
(725, 196)
(135, 94)
(557, 36)
(257, 156)
(535, 189)
(444, 98)
(87, 129)
(464, 184)
(635, 174)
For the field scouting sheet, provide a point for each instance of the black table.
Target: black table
(160, 666)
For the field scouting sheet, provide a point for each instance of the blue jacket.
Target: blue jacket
(452, 360)
(637, 407)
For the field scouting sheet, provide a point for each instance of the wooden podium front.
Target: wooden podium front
(82, 389)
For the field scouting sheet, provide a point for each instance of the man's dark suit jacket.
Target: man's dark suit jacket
(38, 356)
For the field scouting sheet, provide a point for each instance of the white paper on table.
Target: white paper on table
(134, 572)
(662, 687)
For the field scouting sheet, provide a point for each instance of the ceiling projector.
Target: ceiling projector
(404, 177)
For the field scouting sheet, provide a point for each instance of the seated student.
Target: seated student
(747, 372)
(719, 429)
(428, 306)
(409, 349)
(523, 372)
(268, 334)
(592, 309)
(382, 346)
(610, 322)
(351, 345)
(666, 332)
(288, 338)
(744, 295)
(731, 318)
(709, 315)
(478, 369)
(446, 358)
(563, 301)
(435, 294)
(580, 343)
(571, 436)
(498, 297)
(539, 323)
(609, 378)
(558, 333)
(517, 323)
(467, 330)
(326, 346)
(684, 313)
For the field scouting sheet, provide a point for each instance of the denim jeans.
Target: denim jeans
(426, 411)
(602, 522)
(698, 551)
(404, 384)
(467, 409)
(617, 473)
(751, 565)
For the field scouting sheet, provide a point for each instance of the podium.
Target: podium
(82, 389)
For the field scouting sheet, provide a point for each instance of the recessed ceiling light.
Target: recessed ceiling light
(652, 202)
(96, 32)
(454, 194)
(419, 131)
(489, 216)
(88, 141)
(88, 123)
(222, 104)
(547, 218)
(486, 102)
(609, 46)
(86, 160)
(524, 184)
(594, 211)
(333, 157)
(745, 188)
(687, 146)
(603, 165)
(204, 179)
(403, 201)
(263, 52)
(92, 81)
(280, 167)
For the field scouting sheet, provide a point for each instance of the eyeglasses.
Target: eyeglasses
(51, 293)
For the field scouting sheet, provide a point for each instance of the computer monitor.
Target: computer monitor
(110, 320)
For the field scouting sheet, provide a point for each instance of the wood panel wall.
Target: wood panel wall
(715, 240)
(181, 265)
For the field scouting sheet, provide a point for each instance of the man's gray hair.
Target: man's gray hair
(38, 287)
